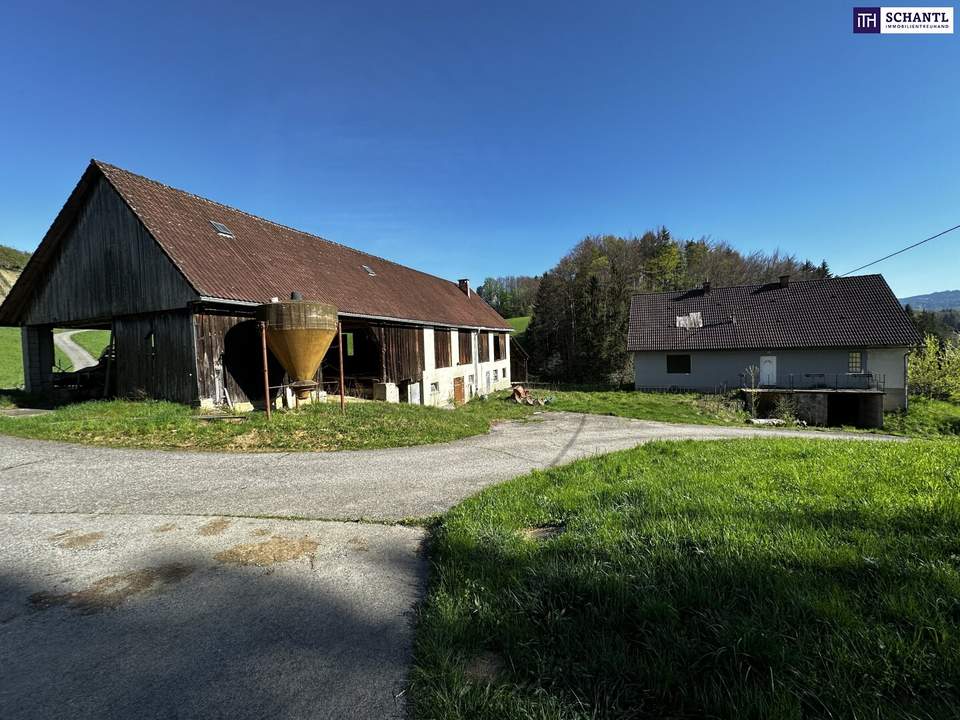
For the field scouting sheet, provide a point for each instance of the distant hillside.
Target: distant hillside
(944, 300)
(11, 263)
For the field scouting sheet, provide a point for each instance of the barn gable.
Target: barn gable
(97, 261)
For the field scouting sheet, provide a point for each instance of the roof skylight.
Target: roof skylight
(221, 229)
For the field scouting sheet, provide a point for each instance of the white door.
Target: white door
(768, 369)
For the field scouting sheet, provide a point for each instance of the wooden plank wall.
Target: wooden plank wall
(465, 341)
(442, 348)
(154, 357)
(229, 356)
(107, 265)
(402, 352)
(483, 339)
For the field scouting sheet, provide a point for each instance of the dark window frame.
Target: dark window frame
(855, 362)
(674, 369)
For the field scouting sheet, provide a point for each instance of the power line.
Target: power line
(909, 247)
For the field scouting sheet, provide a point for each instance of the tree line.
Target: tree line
(578, 332)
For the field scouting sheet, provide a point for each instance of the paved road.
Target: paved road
(79, 357)
(125, 591)
(372, 484)
(109, 618)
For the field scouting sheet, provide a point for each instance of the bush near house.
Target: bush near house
(735, 579)
(934, 369)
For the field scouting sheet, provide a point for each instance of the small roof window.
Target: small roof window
(368, 270)
(221, 229)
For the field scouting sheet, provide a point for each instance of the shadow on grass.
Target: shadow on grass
(800, 624)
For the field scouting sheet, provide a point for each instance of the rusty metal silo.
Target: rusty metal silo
(298, 334)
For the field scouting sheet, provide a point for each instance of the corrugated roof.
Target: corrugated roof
(264, 259)
(846, 312)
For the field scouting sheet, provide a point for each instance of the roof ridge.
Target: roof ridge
(714, 288)
(108, 166)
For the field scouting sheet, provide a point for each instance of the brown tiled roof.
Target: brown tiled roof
(858, 311)
(264, 259)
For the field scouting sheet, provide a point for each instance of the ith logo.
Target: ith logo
(866, 20)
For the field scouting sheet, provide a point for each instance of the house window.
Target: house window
(348, 343)
(678, 364)
(496, 375)
(435, 388)
(855, 362)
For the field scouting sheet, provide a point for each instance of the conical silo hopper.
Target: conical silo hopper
(298, 334)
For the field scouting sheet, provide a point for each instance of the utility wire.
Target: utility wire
(909, 247)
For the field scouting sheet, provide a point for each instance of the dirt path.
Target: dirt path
(79, 357)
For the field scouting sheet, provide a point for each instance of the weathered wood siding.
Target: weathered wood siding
(442, 348)
(154, 357)
(107, 265)
(229, 356)
(465, 341)
(402, 352)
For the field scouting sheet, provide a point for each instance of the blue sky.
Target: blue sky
(475, 139)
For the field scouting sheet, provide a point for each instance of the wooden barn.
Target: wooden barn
(177, 278)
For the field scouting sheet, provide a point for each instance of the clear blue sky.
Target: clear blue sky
(487, 138)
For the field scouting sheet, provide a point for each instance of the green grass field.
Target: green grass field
(11, 362)
(736, 579)
(151, 424)
(519, 324)
(664, 407)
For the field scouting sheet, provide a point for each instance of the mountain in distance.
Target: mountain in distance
(11, 263)
(943, 300)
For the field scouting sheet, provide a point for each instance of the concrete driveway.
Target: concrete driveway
(179, 585)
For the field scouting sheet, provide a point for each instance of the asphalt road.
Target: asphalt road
(130, 585)
(79, 357)
(387, 484)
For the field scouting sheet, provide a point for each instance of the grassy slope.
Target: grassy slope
(317, 427)
(519, 324)
(11, 361)
(747, 579)
(12, 259)
(665, 407)
(925, 418)
(93, 341)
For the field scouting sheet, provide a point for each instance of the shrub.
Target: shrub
(934, 369)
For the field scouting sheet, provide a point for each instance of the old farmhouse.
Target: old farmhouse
(838, 346)
(177, 277)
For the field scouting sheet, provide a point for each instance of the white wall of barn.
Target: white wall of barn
(478, 378)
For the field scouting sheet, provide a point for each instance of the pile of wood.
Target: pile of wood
(522, 396)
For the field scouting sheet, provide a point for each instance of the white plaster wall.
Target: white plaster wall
(891, 364)
(444, 377)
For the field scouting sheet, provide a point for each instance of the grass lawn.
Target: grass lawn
(735, 579)
(93, 341)
(11, 361)
(519, 324)
(925, 417)
(665, 407)
(151, 424)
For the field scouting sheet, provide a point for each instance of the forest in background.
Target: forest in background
(580, 308)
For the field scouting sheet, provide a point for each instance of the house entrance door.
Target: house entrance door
(458, 390)
(768, 370)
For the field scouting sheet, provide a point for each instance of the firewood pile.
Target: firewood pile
(522, 396)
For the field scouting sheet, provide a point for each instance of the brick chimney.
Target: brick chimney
(784, 281)
(464, 286)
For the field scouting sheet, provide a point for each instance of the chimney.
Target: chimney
(784, 281)
(706, 287)
(464, 286)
